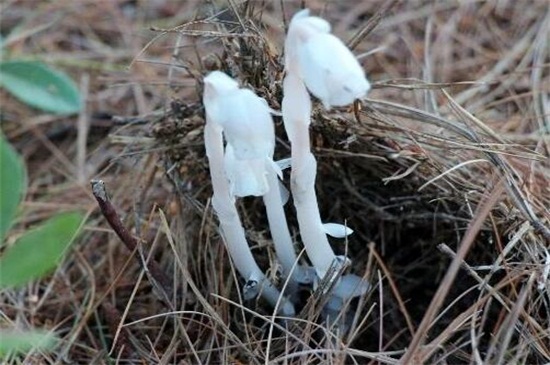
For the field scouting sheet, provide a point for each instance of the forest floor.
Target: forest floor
(442, 171)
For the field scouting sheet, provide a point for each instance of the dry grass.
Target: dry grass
(442, 172)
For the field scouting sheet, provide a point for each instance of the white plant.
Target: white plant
(326, 66)
(317, 61)
(245, 167)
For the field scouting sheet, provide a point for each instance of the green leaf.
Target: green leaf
(20, 342)
(38, 251)
(12, 185)
(40, 86)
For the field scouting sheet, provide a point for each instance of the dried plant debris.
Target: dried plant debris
(442, 172)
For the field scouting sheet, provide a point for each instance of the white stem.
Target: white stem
(296, 108)
(231, 227)
(317, 59)
(280, 233)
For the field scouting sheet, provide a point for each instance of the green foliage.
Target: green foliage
(12, 183)
(38, 251)
(40, 86)
(34, 254)
(18, 342)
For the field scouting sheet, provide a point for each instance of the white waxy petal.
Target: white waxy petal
(331, 72)
(247, 124)
(302, 14)
(337, 230)
(323, 62)
(244, 117)
(216, 85)
(301, 28)
(302, 19)
(246, 177)
(314, 24)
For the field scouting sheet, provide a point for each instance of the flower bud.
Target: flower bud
(327, 67)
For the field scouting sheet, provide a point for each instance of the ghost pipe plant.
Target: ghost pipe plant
(218, 90)
(317, 61)
(245, 167)
(321, 61)
(243, 183)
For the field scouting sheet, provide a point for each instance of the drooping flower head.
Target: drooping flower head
(248, 128)
(327, 67)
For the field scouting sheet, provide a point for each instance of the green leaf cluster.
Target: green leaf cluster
(34, 254)
(39, 250)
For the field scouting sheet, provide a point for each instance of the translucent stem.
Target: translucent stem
(296, 109)
(280, 234)
(231, 226)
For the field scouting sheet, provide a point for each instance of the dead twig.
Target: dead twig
(160, 281)
(370, 25)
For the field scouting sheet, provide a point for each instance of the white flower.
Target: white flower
(326, 66)
(233, 170)
(317, 61)
(248, 128)
(246, 177)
